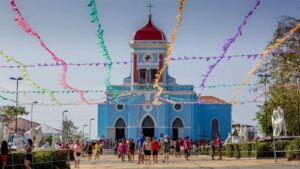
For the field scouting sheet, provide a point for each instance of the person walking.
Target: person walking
(77, 148)
(155, 149)
(140, 143)
(219, 144)
(212, 144)
(90, 151)
(28, 158)
(4, 153)
(166, 148)
(147, 147)
(122, 150)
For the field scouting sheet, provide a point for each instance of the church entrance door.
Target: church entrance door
(148, 132)
(120, 133)
(177, 129)
(120, 129)
(175, 133)
(148, 127)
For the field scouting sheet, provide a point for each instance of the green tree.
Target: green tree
(70, 131)
(8, 113)
(283, 86)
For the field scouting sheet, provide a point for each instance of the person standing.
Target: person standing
(212, 144)
(4, 152)
(77, 153)
(132, 149)
(177, 149)
(219, 144)
(28, 158)
(123, 150)
(187, 147)
(90, 151)
(166, 148)
(140, 144)
(147, 147)
(116, 146)
(97, 150)
(155, 149)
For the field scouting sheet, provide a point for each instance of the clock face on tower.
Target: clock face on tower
(148, 58)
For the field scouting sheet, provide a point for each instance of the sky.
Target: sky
(65, 27)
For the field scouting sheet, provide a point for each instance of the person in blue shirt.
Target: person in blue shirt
(140, 143)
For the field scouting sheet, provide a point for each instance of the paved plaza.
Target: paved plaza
(196, 162)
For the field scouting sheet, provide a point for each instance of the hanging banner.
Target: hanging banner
(94, 19)
(269, 48)
(185, 58)
(27, 77)
(168, 56)
(229, 42)
(22, 23)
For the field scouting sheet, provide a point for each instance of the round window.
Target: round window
(120, 107)
(148, 58)
(177, 107)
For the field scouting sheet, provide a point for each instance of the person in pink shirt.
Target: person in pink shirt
(123, 150)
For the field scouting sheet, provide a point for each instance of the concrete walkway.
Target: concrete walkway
(196, 162)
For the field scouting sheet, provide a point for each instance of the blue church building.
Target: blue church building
(133, 115)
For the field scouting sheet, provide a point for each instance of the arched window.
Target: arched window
(177, 123)
(148, 122)
(214, 127)
(120, 123)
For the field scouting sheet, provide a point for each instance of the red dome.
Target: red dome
(149, 32)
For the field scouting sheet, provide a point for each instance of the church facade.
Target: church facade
(135, 113)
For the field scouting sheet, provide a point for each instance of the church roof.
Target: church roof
(212, 100)
(149, 32)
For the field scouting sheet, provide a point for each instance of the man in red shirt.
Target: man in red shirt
(155, 149)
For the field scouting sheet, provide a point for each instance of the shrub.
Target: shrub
(41, 159)
(229, 148)
(293, 150)
(264, 150)
(247, 150)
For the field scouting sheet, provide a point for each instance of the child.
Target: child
(122, 150)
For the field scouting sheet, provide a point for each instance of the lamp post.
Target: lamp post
(17, 99)
(265, 77)
(35, 102)
(83, 131)
(90, 128)
(63, 118)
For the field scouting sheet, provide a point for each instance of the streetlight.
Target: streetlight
(63, 117)
(17, 99)
(90, 127)
(35, 102)
(83, 130)
(265, 77)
